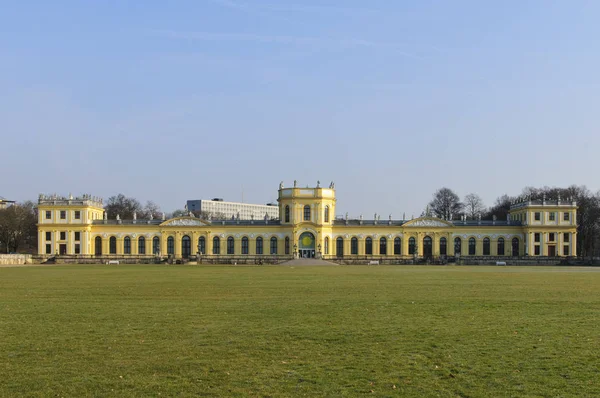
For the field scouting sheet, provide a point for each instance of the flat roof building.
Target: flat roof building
(219, 209)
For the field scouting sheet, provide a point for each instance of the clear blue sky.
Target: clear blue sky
(177, 100)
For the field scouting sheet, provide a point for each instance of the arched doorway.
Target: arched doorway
(427, 247)
(306, 245)
(186, 246)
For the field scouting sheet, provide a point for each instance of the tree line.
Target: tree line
(446, 204)
(18, 229)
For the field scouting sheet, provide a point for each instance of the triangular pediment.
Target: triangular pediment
(184, 222)
(428, 222)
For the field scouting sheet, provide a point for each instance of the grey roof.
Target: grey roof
(379, 223)
(214, 222)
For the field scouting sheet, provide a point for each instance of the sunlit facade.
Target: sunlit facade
(307, 227)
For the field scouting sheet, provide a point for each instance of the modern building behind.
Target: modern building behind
(4, 203)
(234, 210)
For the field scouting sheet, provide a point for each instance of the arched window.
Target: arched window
(339, 247)
(98, 246)
(326, 245)
(472, 246)
(500, 249)
(443, 247)
(411, 245)
(170, 245)
(273, 245)
(287, 245)
(245, 245)
(202, 245)
(186, 246)
(457, 246)
(287, 213)
(369, 246)
(354, 246)
(259, 245)
(112, 245)
(397, 246)
(515, 247)
(326, 213)
(383, 246)
(141, 245)
(216, 245)
(156, 245)
(486, 246)
(307, 213)
(230, 245)
(427, 246)
(127, 245)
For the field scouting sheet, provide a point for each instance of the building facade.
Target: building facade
(235, 210)
(306, 227)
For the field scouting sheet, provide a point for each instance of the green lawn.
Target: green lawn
(303, 331)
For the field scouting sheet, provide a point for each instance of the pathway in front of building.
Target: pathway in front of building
(307, 261)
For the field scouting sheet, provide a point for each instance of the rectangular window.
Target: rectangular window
(551, 237)
(63, 215)
(536, 237)
(48, 248)
(77, 248)
(552, 216)
(538, 216)
(63, 236)
(537, 250)
(566, 250)
(566, 216)
(77, 235)
(48, 235)
(566, 237)
(48, 214)
(77, 215)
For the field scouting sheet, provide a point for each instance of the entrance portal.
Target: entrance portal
(306, 245)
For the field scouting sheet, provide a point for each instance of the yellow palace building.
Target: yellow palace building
(78, 228)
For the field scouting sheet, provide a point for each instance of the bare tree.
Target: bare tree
(500, 208)
(122, 206)
(150, 209)
(18, 228)
(473, 206)
(446, 204)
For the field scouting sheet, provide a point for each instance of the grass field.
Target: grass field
(303, 331)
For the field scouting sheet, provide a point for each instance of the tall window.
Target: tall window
(202, 245)
(515, 247)
(127, 245)
(112, 245)
(354, 246)
(141, 245)
(472, 246)
(230, 245)
(273, 245)
(287, 213)
(259, 245)
(486, 246)
(98, 244)
(383, 246)
(326, 213)
(245, 245)
(156, 245)
(369, 246)
(500, 250)
(287, 245)
(186, 246)
(339, 247)
(411, 246)
(326, 245)
(566, 216)
(443, 246)
(77, 214)
(307, 213)
(216, 245)
(397, 246)
(427, 246)
(457, 246)
(63, 215)
(170, 245)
